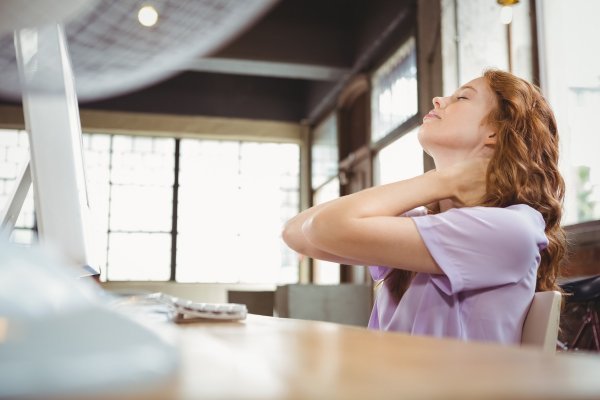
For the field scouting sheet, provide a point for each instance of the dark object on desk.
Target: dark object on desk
(582, 314)
(257, 302)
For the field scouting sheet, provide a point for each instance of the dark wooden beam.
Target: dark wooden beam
(219, 95)
(272, 69)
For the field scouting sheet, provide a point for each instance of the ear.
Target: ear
(490, 140)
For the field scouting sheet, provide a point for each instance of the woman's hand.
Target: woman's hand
(467, 181)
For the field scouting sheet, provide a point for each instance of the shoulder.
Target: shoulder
(519, 216)
(516, 223)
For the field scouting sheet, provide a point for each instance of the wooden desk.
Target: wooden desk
(270, 358)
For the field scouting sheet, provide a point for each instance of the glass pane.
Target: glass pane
(131, 179)
(573, 89)
(96, 142)
(14, 154)
(199, 158)
(139, 256)
(233, 200)
(394, 99)
(325, 272)
(163, 146)
(142, 144)
(143, 161)
(142, 178)
(324, 152)
(141, 208)
(402, 159)
(122, 144)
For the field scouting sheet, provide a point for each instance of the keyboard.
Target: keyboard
(187, 310)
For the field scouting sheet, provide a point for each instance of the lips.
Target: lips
(432, 114)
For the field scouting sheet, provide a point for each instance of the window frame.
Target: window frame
(179, 127)
(411, 122)
(174, 232)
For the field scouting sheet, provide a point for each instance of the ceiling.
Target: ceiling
(289, 66)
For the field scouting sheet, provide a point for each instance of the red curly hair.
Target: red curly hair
(523, 170)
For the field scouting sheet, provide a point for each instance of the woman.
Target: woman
(468, 263)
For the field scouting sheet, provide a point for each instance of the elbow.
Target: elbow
(320, 231)
(333, 233)
(293, 238)
(287, 234)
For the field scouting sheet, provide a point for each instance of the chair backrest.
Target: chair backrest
(540, 328)
(257, 302)
(348, 304)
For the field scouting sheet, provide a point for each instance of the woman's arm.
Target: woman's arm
(327, 237)
(365, 226)
(295, 239)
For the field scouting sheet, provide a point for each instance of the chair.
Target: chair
(584, 292)
(348, 304)
(540, 328)
(257, 302)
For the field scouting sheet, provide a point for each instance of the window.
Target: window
(394, 102)
(325, 272)
(402, 159)
(14, 154)
(571, 80)
(234, 198)
(140, 208)
(326, 186)
(394, 99)
(324, 152)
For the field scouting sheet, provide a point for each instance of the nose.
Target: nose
(439, 102)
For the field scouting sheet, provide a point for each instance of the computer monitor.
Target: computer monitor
(56, 157)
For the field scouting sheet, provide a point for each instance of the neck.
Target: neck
(441, 163)
(446, 204)
(445, 160)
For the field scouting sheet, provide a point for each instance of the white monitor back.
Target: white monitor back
(52, 122)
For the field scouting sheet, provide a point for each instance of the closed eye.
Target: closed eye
(462, 97)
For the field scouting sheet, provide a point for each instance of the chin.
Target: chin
(424, 141)
(421, 136)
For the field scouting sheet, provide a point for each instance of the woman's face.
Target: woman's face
(455, 129)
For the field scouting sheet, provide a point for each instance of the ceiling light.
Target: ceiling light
(506, 13)
(147, 16)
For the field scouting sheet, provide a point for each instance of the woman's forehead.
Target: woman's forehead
(479, 84)
(481, 87)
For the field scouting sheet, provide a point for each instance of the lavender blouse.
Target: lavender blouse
(489, 257)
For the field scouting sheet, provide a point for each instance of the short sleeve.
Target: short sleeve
(483, 247)
(378, 273)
